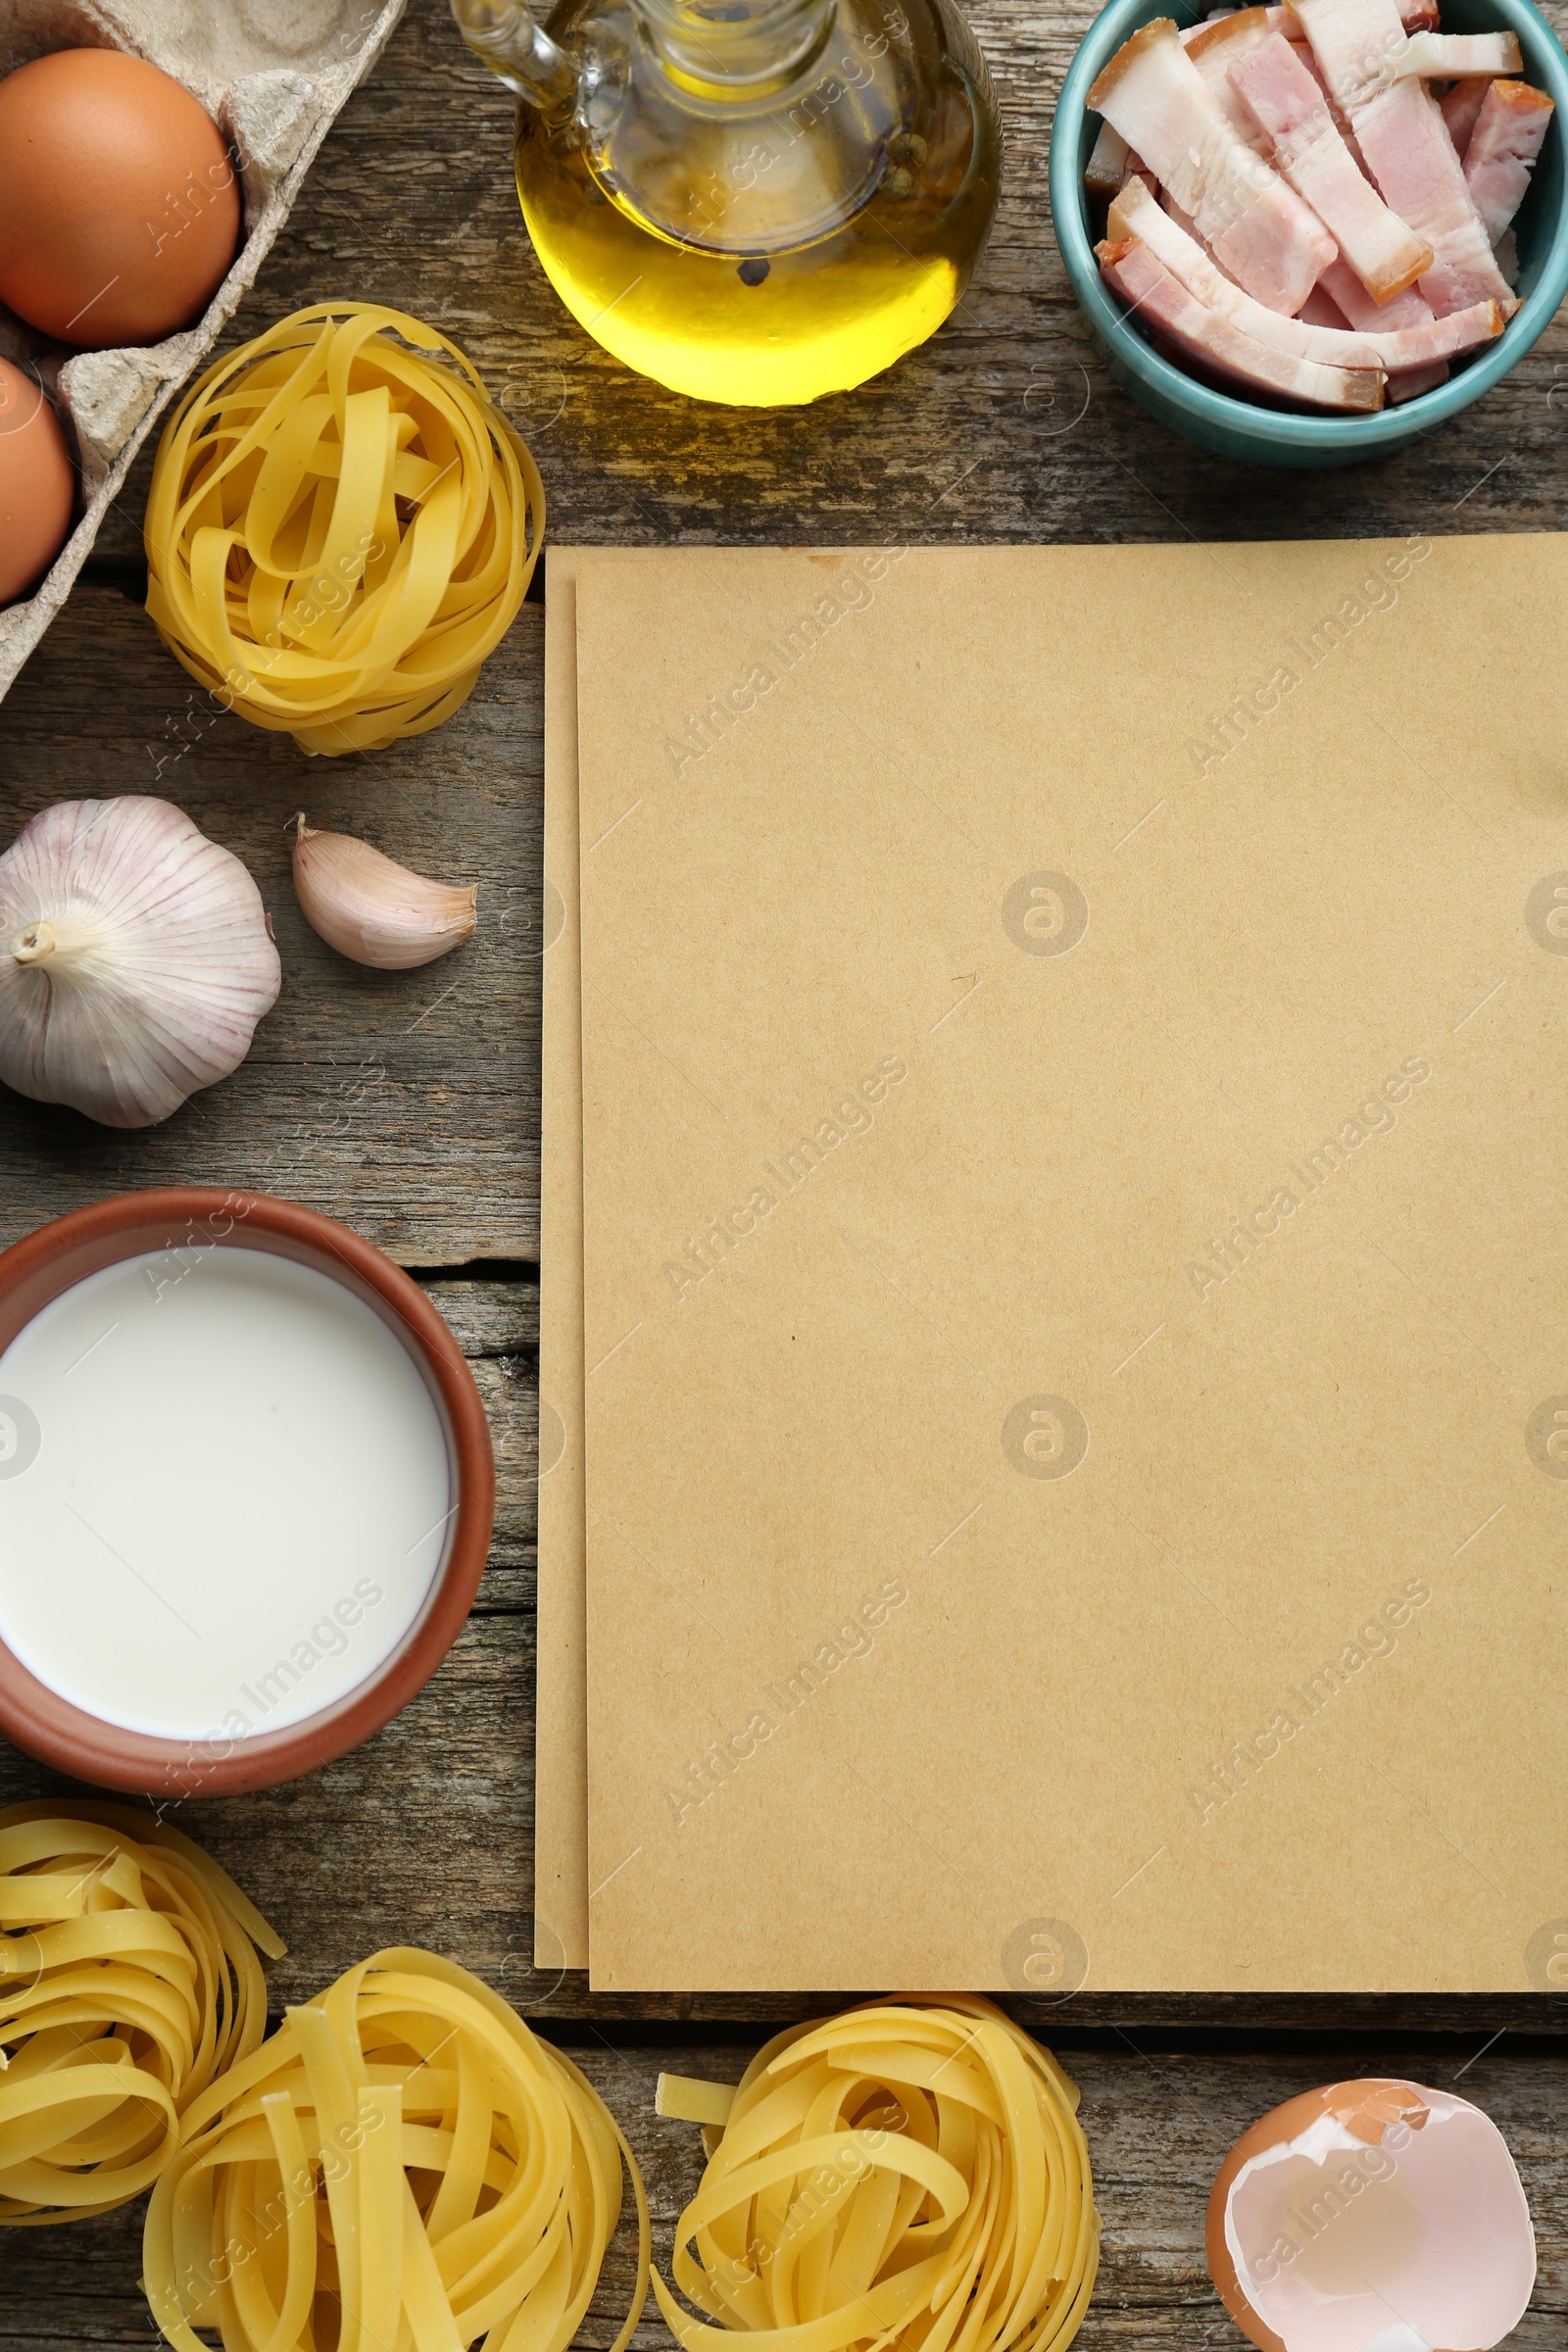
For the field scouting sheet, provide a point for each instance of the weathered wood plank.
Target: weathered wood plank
(496, 1325)
(493, 1317)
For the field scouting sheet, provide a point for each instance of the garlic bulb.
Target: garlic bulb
(373, 910)
(136, 960)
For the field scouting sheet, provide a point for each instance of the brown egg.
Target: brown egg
(118, 209)
(37, 485)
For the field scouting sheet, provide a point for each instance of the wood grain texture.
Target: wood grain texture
(1004, 427)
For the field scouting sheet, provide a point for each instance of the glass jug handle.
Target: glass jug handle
(506, 36)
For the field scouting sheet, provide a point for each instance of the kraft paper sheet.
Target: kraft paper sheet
(561, 1744)
(1076, 1342)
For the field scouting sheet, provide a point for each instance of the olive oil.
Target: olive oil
(765, 247)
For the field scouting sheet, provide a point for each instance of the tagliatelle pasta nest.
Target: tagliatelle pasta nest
(340, 528)
(128, 1982)
(402, 2165)
(909, 2175)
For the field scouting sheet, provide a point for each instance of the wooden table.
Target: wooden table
(409, 1103)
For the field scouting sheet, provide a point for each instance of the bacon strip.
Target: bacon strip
(1168, 204)
(1409, 309)
(1259, 228)
(1502, 150)
(1288, 107)
(1406, 146)
(1440, 54)
(1280, 20)
(1301, 51)
(1321, 310)
(1364, 311)
(1220, 44)
(1460, 108)
(1107, 167)
(1218, 347)
(1408, 383)
(1135, 214)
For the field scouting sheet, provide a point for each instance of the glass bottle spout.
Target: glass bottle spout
(506, 36)
(735, 49)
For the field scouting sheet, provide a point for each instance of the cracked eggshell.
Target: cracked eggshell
(1372, 2216)
(273, 74)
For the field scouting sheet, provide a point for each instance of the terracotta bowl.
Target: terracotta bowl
(59, 1256)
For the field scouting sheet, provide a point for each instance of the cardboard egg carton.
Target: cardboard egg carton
(273, 74)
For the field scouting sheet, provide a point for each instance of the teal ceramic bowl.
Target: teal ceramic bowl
(1237, 427)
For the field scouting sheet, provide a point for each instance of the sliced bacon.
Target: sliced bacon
(1364, 311)
(1390, 348)
(1107, 167)
(1280, 20)
(1168, 204)
(1219, 45)
(1460, 107)
(1408, 383)
(1288, 107)
(1320, 309)
(1407, 147)
(1407, 310)
(1272, 243)
(1503, 151)
(1440, 54)
(1220, 348)
(1189, 228)
(1301, 49)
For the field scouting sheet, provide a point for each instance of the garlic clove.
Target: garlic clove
(372, 910)
(136, 960)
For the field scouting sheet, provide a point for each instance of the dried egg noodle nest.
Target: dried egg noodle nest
(340, 530)
(128, 1982)
(909, 2176)
(402, 2168)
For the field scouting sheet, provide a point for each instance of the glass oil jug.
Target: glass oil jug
(751, 201)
